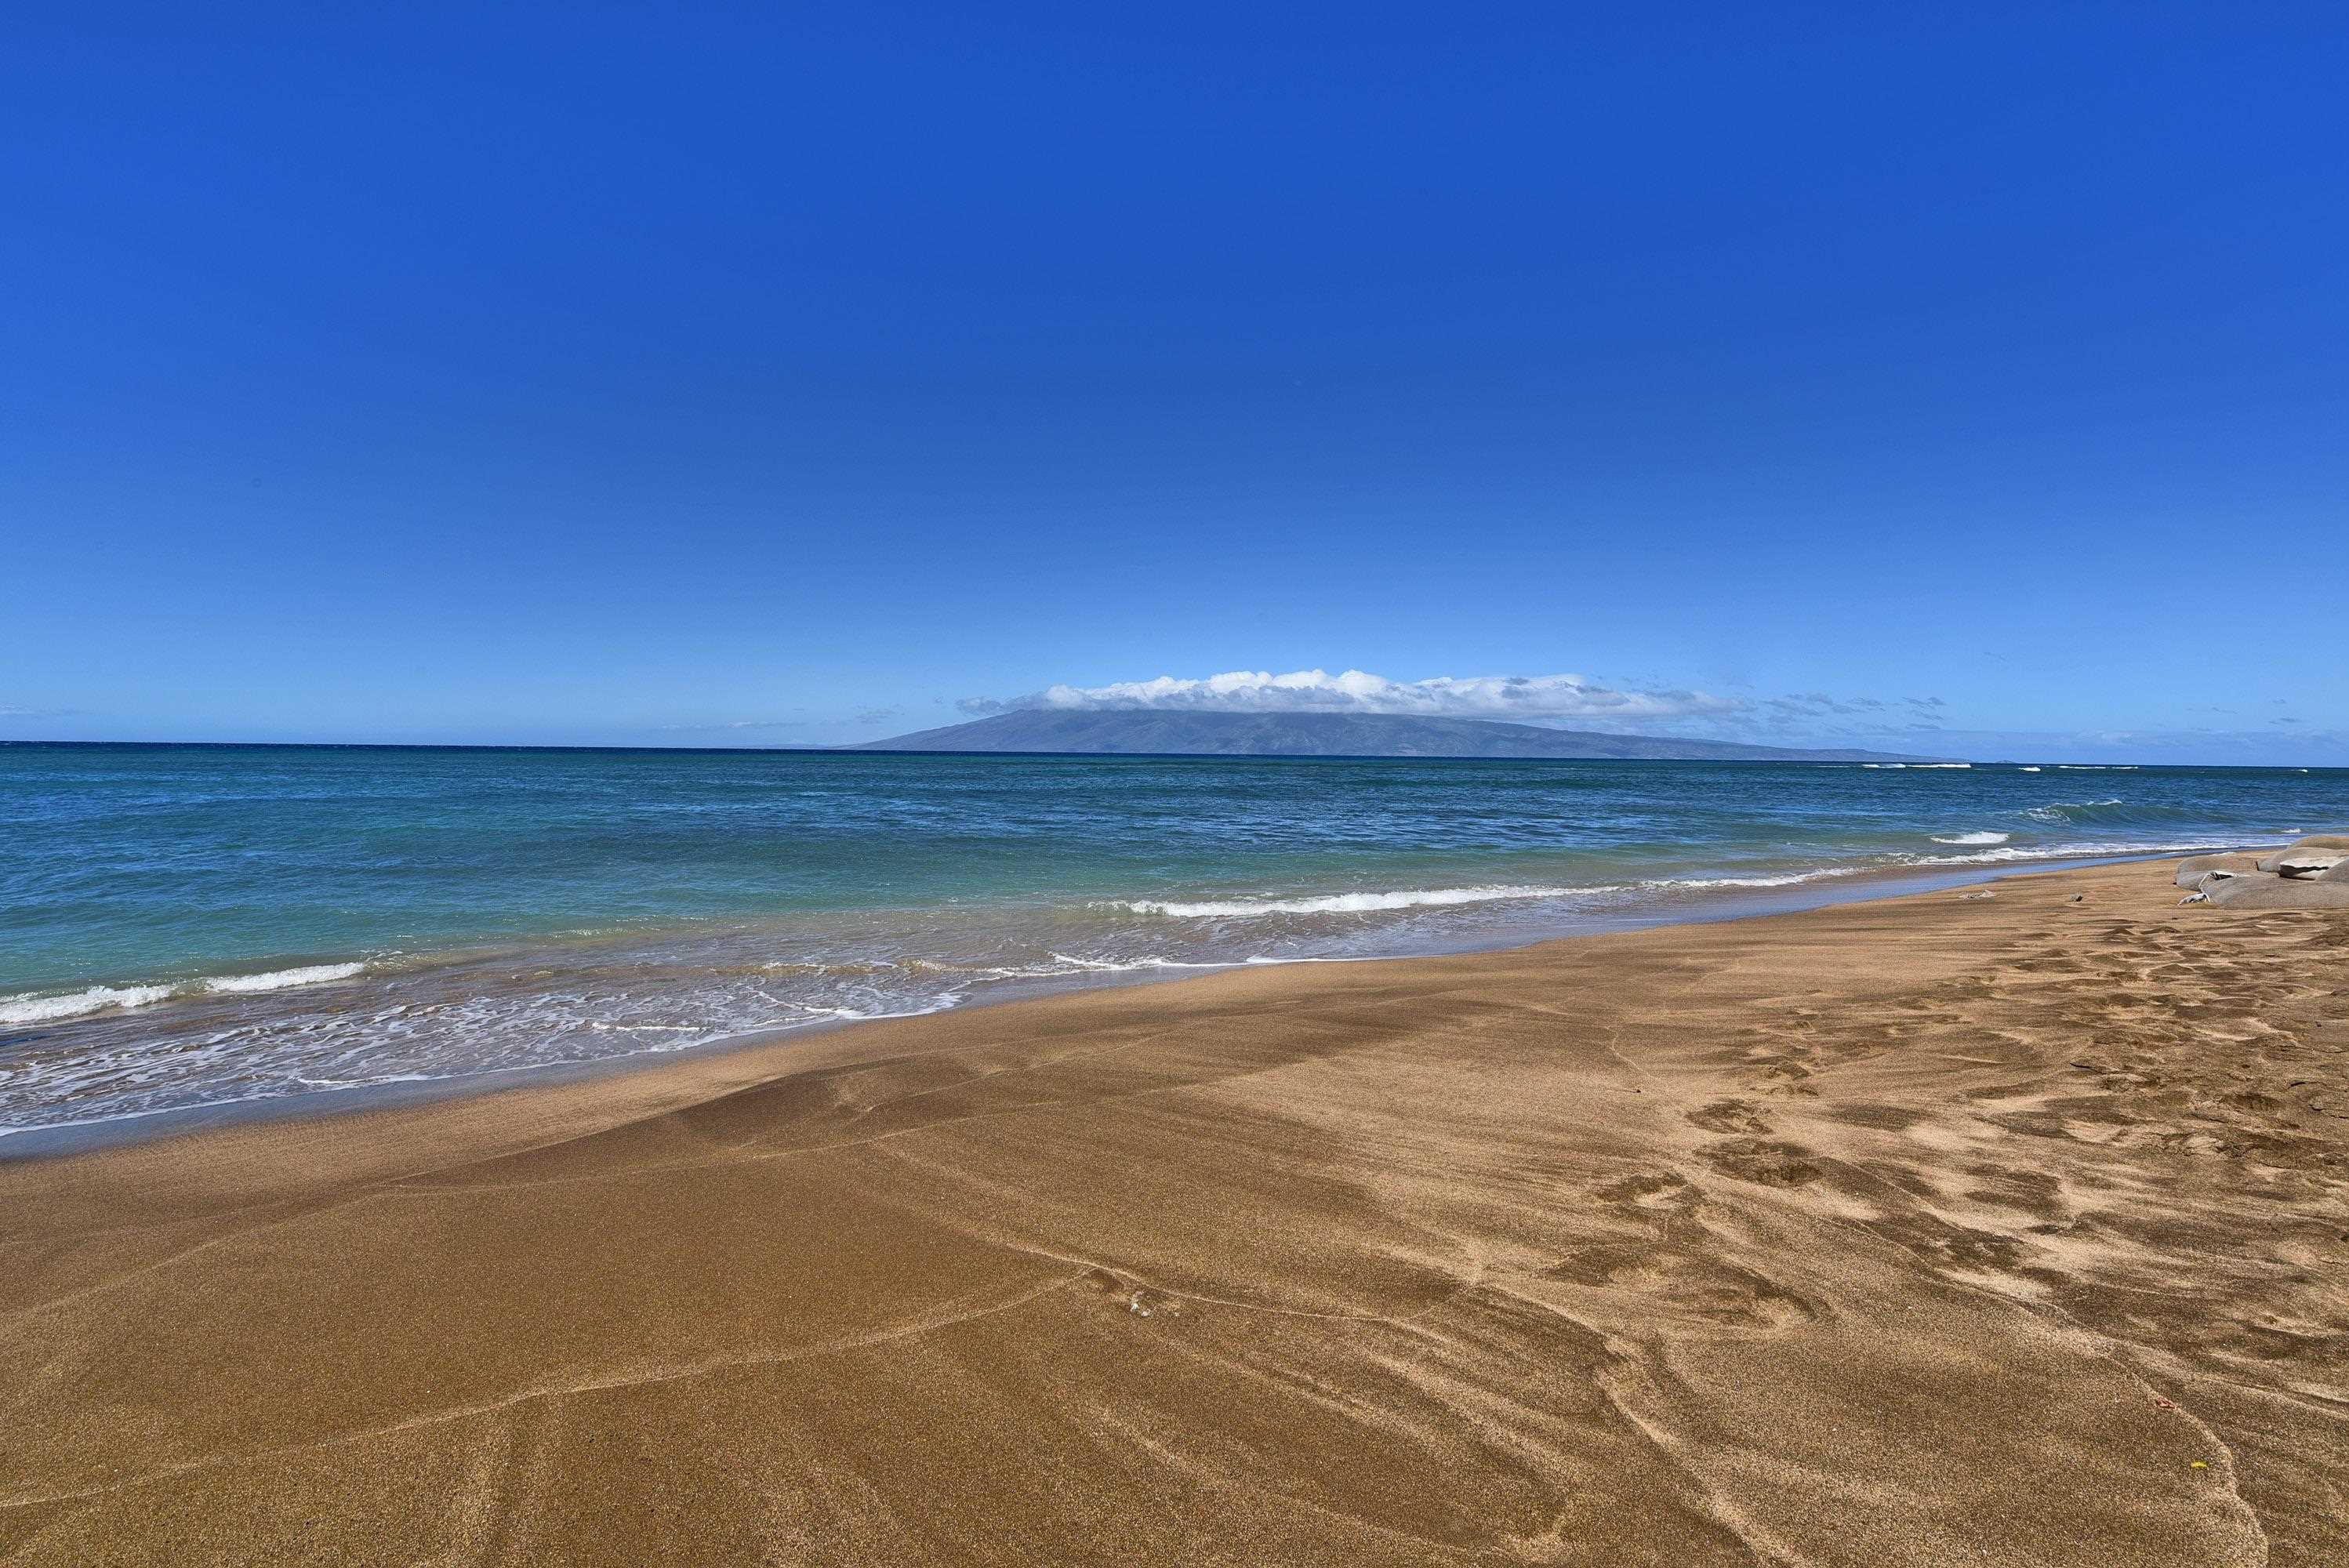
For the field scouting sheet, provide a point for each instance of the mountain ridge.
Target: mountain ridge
(1151, 732)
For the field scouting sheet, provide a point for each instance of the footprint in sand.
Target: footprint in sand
(1732, 1116)
(1763, 1162)
(1689, 1283)
(1663, 1190)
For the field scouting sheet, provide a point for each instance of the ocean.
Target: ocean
(202, 927)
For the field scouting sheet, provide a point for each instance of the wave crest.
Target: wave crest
(2069, 810)
(31, 1009)
(282, 979)
(2088, 850)
(1335, 903)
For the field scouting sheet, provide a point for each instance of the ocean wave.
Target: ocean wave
(2102, 849)
(1336, 903)
(1983, 850)
(38, 1009)
(1266, 958)
(32, 1007)
(1769, 878)
(1903, 767)
(2069, 810)
(282, 979)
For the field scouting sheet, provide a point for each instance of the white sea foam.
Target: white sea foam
(1266, 958)
(282, 979)
(1339, 903)
(2061, 810)
(2030, 769)
(1974, 839)
(33, 1008)
(2075, 852)
(1774, 879)
(37, 1009)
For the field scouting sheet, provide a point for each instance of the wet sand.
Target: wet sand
(1946, 1228)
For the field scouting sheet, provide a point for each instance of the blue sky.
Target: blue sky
(685, 375)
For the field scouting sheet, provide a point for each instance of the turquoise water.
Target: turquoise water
(194, 925)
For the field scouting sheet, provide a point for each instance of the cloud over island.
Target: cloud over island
(1572, 701)
(1532, 700)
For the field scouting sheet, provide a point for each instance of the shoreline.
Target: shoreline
(2012, 1230)
(1816, 891)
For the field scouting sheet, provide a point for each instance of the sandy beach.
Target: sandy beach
(1998, 1226)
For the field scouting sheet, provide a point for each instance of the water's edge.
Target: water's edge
(66, 1139)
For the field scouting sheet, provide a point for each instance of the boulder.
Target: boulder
(2329, 845)
(2194, 868)
(2277, 893)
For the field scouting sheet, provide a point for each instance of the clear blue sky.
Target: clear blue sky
(679, 376)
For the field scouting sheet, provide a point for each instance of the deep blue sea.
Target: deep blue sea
(185, 926)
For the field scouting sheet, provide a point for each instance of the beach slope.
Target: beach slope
(1949, 1229)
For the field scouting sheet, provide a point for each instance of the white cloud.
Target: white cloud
(1530, 698)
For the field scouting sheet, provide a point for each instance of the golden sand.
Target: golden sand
(1946, 1228)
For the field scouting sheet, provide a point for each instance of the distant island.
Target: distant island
(1145, 732)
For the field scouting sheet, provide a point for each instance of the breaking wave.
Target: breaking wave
(38, 1009)
(2086, 850)
(1776, 879)
(282, 979)
(31, 1008)
(2074, 811)
(1338, 902)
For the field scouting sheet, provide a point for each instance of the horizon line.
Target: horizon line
(870, 749)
